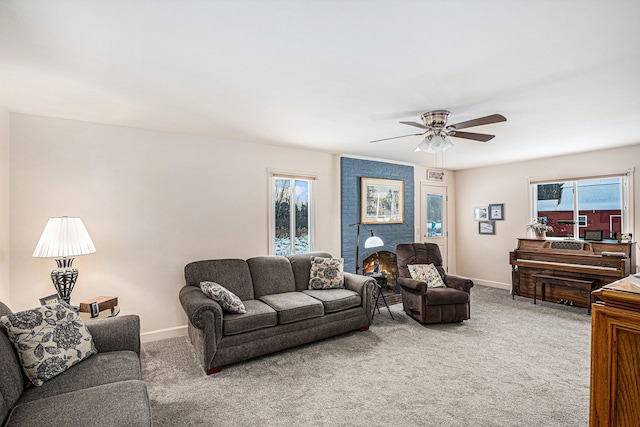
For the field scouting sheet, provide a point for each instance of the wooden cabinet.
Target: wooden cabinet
(615, 356)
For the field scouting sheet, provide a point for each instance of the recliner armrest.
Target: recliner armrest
(116, 333)
(458, 282)
(412, 284)
(195, 303)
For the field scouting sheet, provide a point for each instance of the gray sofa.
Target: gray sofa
(281, 311)
(102, 390)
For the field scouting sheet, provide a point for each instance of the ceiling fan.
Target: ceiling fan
(436, 131)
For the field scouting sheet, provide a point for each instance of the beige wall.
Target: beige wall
(152, 202)
(486, 257)
(4, 207)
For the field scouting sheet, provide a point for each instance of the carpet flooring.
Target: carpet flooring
(512, 364)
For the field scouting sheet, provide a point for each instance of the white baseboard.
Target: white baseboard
(499, 285)
(161, 334)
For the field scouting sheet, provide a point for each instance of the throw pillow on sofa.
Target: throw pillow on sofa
(326, 273)
(223, 296)
(49, 339)
(427, 273)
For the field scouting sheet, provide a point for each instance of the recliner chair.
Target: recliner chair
(431, 305)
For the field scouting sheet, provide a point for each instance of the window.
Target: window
(292, 214)
(579, 205)
(434, 215)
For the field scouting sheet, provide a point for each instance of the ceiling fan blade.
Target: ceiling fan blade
(494, 118)
(396, 137)
(482, 137)
(418, 125)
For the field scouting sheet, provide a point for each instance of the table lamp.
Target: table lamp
(63, 239)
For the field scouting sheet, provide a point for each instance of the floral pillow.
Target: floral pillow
(223, 296)
(326, 273)
(426, 273)
(49, 339)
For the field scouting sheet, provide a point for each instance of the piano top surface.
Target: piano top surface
(587, 249)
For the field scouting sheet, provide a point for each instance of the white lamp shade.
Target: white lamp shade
(64, 238)
(434, 143)
(373, 242)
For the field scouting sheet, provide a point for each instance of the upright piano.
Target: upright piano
(600, 262)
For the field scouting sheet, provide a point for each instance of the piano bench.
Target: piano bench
(548, 278)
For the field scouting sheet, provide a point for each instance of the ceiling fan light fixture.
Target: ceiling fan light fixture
(434, 143)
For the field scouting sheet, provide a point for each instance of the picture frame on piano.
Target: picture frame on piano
(593, 235)
(486, 227)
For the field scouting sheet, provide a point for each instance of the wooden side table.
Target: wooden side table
(615, 356)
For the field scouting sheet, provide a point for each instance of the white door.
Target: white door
(433, 218)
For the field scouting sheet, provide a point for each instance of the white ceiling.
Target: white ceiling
(333, 75)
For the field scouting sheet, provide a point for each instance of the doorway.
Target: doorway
(433, 218)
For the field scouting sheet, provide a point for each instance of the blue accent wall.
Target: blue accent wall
(351, 170)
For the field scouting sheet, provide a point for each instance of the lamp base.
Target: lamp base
(64, 278)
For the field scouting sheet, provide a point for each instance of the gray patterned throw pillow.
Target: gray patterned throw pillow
(49, 339)
(326, 273)
(223, 296)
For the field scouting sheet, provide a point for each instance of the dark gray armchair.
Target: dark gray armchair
(431, 305)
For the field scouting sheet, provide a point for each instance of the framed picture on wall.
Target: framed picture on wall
(480, 213)
(381, 201)
(496, 211)
(487, 227)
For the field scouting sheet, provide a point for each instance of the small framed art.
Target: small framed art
(487, 227)
(496, 211)
(51, 299)
(593, 235)
(480, 213)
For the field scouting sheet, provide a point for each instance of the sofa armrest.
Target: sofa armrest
(195, 303)
(364, 286)
(412, 284)
(458, 282)
(116, 333)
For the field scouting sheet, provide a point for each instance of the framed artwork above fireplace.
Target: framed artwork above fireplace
(381, 201)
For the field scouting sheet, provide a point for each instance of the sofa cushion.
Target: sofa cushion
(301, 266)
(426, 273)
(49, 340)
(326, 273)
(227, 299)
(440, 296)
(102, 368)
(271, 275)
(233, 274)
(335, 299)
(293, 306)
(258, 315)
(124, 403)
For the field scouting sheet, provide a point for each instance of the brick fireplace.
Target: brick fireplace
(351, 172)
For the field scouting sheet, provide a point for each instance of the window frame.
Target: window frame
(627, 208)
(311, 212)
